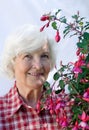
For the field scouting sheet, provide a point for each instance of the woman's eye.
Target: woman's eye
(45, 56)
(28, 56)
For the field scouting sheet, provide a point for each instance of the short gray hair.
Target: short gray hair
(26, 38)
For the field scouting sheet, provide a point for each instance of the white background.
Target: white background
(14, 13)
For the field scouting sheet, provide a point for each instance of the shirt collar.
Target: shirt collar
(14, 101)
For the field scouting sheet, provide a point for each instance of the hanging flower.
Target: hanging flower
(57, 37)
(71, 108)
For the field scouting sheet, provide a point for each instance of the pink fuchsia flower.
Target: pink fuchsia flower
(86, 95)
(84, 118)
(59, 104)
(76, 75)
(79, 63)
(78, 51)
(44, 18)
(77, 70)
(76, 126)
(77, 66)
(82, 57)
(63, 121)
(84, 80)
(84, 125)
(57, 37)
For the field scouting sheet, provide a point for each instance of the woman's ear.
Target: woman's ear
(13, 63)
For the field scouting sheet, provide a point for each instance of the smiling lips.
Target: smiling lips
(36, 74)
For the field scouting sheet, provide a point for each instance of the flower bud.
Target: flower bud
(57, 37)
(42, 28)
(78, 52)
(47, 25)
(44, 18)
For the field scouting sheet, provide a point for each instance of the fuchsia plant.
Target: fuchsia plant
(72, 109)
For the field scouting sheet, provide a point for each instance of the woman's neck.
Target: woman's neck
(30, 97)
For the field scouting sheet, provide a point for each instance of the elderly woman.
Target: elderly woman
(28, 58)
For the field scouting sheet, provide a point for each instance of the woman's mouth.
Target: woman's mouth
(36, 74)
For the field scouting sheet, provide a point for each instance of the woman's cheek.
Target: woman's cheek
(48, 66)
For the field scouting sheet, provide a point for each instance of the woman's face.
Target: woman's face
(31, 69)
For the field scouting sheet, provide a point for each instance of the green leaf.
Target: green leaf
(81, 19)
(75, 16)
(72, 87)
(63, 19)
(61, 84)
(84, 45)
(49, 91)
(67, 28)
(54, 25)
(87, 58)
(76, 110)
(86, 35)
(63, 68)
(58, 11)
(56, 76)
(66, 33)
(86, 26)
(73, 34)
(46, 85)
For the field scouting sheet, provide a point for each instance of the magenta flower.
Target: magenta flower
(76, 126)
(77, 70)
(86, 95)
(63, 121)
(84, 118)
(73, 77)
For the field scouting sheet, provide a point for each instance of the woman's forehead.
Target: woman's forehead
(43, 49)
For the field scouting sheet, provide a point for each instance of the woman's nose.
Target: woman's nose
(37, 64)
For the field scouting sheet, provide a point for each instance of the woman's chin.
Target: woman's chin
(35, 84)
(38, 84)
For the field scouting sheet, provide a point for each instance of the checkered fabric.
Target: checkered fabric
(16, 115)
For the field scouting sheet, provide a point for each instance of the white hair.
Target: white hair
(27, 38)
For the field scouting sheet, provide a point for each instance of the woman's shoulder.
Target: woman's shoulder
(5, 98)
(3, 101)
(4, 106)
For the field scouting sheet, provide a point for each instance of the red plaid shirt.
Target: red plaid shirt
(16, 115)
